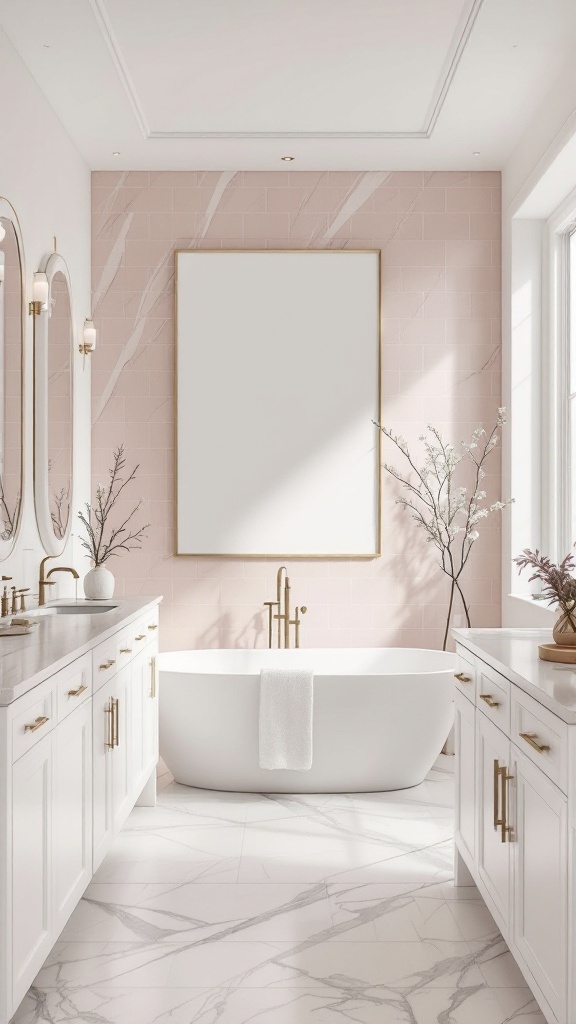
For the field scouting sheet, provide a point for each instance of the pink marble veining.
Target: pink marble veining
(440, 239)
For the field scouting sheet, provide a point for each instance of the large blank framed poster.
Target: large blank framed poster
(278, 385)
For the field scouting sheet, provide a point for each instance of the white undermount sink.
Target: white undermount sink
(72, 609)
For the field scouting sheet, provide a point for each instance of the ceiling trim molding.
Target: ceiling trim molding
(439, 96)
(105, 25)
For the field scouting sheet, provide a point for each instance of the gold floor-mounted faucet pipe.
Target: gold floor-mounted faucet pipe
(282, 614)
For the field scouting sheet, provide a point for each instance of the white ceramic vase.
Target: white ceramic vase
(99, 584)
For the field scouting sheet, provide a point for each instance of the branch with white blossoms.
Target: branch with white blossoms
(448, 512)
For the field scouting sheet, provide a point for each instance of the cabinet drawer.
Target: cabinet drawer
(73, 685)
(104, 662)
(541, 736)
(126, 646)
(33, 723)
(493, 696)
(465, 674)
(150, 622)
(140, 635)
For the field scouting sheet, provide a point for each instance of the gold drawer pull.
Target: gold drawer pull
(497, 772)
(505, 828)
(530, 738)
(153, 627)
(489, 700)
(37, 724)
(462, 678)
(141, 637)
(112, 710)
(125, 650)
(107, 664)
(76, 693)
(153, 678)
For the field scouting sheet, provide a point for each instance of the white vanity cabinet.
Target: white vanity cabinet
(76, 751)
(512, 781)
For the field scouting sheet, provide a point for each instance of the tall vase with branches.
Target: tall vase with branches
(102, 540)
(446, 510)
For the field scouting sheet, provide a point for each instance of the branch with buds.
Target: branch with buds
(448, 513)
(123, 537)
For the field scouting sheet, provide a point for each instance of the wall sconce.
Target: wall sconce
(2, 258)
(88, 338)
(40, 293)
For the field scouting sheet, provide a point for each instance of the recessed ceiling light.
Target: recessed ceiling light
(476, 152)
(288, 158)
(46, 46)
(116, 152)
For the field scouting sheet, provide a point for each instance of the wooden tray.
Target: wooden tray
(555, 652)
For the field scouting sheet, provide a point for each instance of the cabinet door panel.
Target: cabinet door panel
(541, 880)
(121, 758)
(137, 699)
(72, 845)
(464, 722)
(493, 854)
(31, 864)
(101, 774)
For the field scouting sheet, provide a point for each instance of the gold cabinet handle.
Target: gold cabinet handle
(462, 677)
(530, 738)
(110, 712)
(489, 700)
(506, 829)
(76, 693)
(153, 678)
(153, 627)
(141, 637)
(37, 724)
(497, 818)
(107, 664)
(125, 650)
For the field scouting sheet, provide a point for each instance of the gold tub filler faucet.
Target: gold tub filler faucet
(282, 613)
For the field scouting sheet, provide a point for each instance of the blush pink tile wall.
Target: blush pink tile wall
(440, 239)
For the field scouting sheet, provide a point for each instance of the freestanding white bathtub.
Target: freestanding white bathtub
(381, 717)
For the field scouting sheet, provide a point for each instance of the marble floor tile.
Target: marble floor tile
(231, 908)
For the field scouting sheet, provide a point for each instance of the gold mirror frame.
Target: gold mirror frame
(7, 212)
(53, 545)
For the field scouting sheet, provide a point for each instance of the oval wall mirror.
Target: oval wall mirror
(12, 322)
(53, 347)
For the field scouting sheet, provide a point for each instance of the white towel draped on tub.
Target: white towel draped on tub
(286, 701)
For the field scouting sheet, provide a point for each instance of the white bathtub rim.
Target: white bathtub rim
(182, 662)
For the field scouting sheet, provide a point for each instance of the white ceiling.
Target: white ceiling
(352, 84)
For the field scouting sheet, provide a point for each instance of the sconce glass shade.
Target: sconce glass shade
(40, 290)
(89, 336)
(2, 257)
(2, 231)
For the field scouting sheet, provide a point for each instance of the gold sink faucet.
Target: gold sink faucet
(282, 615)
(45, 581)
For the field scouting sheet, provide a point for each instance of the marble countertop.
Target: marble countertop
(514, 653)
(57, 640)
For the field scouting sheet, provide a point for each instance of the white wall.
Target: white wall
(48, 184)
(540, 173)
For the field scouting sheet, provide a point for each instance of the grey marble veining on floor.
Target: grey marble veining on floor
(228, 908)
